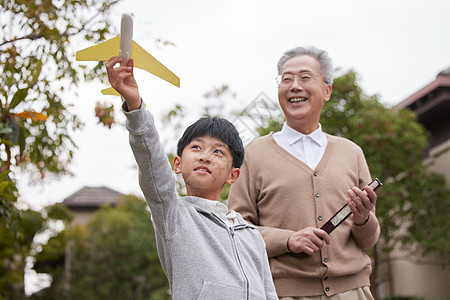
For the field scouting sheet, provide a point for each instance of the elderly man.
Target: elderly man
(294, 180)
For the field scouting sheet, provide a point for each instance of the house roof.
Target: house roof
(442, 80)
(432, 107)
(92, 197)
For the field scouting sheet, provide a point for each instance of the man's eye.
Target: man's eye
(286, 78)
(306, 77)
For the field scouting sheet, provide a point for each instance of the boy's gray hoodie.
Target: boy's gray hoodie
(202, 256)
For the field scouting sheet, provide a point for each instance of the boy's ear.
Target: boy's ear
(177, 164)
(234, 175)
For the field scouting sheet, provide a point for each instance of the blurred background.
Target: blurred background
(73, 222)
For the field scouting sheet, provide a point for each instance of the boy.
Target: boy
(206, 251)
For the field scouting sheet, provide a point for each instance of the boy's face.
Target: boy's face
(206, 165)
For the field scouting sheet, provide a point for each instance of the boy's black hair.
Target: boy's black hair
(216, 127)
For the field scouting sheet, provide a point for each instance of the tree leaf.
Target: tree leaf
(18, 97)
(32, 115)
(5, 129)
(22, 140)
(13, 136)
(36, 73)
(3, 185)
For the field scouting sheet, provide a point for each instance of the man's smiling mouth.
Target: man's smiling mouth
(297, 99)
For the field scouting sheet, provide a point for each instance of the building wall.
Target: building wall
(425, 277)
(82, 217)
(439, 160)
(422, 277)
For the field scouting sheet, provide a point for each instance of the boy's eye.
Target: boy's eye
(218, 151)
(195, 147)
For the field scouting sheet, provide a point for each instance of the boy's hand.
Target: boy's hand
(122, 80)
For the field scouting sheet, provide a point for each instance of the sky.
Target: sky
(396, 47)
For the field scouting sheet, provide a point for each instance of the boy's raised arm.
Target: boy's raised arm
(122, 80)
(156, 178)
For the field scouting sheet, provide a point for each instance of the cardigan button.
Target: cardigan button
(325, 278)
(319, 218)
(327, 289)
(315, 174)
(317, 195)
(325, 259)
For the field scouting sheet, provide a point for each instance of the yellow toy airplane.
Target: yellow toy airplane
(124, 45)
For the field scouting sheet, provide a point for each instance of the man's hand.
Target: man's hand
(122, 80)
(308, 240)
(361, 204)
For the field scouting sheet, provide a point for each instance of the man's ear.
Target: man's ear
(177, 164)
(234, 175)
(328, 90)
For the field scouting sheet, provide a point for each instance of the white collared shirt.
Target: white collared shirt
(307, 148)
(220, 209)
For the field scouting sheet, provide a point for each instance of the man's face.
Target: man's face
(206, 165)
(302, 101)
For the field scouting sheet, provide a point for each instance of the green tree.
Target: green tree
(14, 250)
(37, 70)
(394, 144)
(113, 257)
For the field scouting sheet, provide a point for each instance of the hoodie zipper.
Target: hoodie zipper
(233, 244)
(231, 230)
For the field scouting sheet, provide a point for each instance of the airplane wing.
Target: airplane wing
(142, 60)
(100, 52)
(110, 91)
